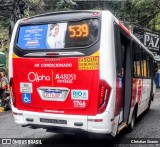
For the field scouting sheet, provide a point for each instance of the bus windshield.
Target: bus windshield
(58, 35)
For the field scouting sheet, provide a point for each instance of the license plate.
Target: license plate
(53, 94)
(55, 121)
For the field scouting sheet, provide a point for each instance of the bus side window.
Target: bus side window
(118, 50)
(123, 58)
(154, 67)
(134, 60)
(138, 60)
(143, 63)
(124, 44)
(148, 66)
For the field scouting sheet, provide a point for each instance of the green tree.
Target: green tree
(148, 12)
(144, 13)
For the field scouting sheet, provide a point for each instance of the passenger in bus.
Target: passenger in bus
(4, 85)
(52, 40)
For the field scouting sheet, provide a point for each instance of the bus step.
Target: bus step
(122, 126)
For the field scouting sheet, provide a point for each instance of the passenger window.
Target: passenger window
(118, 50)
(138, 60)
(134, 60)
(142, 62)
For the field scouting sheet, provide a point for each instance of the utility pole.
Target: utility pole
(18, 13)
(13, 20)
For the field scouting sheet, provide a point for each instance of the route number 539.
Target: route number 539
(78, 31)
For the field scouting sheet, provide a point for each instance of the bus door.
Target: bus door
(120, 58)
(128, 82)
(124, 78)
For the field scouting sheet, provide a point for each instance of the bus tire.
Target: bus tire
(133, 121)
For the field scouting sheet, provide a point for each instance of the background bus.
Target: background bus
(93, 76)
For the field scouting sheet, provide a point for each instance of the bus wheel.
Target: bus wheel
(133, 120)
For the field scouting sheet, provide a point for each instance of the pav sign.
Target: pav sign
(150, 39)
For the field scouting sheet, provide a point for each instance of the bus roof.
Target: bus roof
(63, 12)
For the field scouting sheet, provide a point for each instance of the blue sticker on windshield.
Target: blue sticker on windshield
(26, 97)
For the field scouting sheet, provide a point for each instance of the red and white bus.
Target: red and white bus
(79, 70)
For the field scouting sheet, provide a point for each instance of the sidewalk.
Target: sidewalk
(157, 91)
